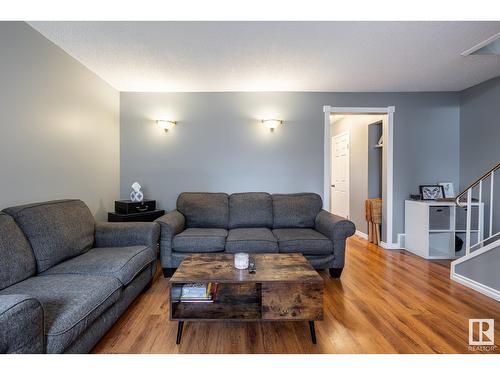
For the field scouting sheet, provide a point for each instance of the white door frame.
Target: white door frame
(388, 168)
(348, 133)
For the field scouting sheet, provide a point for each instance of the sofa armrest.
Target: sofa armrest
(126, 234)
(170, 224)
(21, 324)
(337, 229)
(333, 226)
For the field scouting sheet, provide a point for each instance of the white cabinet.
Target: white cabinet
(431, 228)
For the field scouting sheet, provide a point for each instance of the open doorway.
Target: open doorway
(358, 165)
(356, 160)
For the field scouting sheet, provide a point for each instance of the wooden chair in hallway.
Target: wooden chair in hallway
(373, 213)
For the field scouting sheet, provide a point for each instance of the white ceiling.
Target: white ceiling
(279, 56)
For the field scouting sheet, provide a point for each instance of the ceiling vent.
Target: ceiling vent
(490, 46)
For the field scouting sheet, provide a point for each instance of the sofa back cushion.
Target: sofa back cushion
(295, 210)
(56, 230)
(204, 210)
(250, 210)
(17, 261)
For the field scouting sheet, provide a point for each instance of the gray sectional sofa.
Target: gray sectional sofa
(254, 223)
(64, 279)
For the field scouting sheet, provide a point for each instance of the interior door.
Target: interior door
(340, 175)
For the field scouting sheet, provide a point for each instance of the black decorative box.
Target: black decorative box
(128, 207)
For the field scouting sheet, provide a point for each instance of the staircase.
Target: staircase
(479, 268)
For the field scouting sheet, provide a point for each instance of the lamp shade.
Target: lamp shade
(165, 124)
(272, 123)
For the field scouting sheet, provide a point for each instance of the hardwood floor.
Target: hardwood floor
(385, 302)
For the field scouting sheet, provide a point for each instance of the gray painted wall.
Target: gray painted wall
(219, 144)
(374, 161)
(483, 268)
(480, 137)
(479, 130)
(59, 125)
(479, 151)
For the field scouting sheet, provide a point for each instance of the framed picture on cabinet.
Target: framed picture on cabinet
(431, 192)
(449, 191)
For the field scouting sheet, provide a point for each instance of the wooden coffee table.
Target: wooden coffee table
(284, 287)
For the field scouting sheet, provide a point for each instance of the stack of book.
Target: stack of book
(195, 292)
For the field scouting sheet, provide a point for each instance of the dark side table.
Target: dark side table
(139, 216)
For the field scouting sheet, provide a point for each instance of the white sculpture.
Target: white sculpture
(136, 195)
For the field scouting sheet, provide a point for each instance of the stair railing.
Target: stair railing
(468, 193)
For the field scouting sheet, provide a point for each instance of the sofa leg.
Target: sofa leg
(148, 286)
(335, 272)
(168, 272)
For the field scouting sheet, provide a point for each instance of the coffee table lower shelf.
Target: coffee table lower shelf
(233, 302)
(254, 302)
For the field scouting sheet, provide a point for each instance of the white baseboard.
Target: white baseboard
(390, 246)
(478, 287)
(386, 245)
(361, 234)
(402, 240)
(400, 245)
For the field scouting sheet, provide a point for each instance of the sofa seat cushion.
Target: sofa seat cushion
(124, 263)
(302, 240)
(200, 240)
(251, 240)
(56, 230)
(70, 303)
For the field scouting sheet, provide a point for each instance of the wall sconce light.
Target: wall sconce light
(166, 124)
(272, 124)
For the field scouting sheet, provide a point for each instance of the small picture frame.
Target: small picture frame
(432, 192)
(449, 191)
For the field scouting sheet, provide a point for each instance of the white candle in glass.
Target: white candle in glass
(241, 261)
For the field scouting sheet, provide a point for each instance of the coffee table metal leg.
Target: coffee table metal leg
(179, 332)
(313, 331)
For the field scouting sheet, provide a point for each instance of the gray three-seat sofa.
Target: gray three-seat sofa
(64, 279)
(254, 223)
